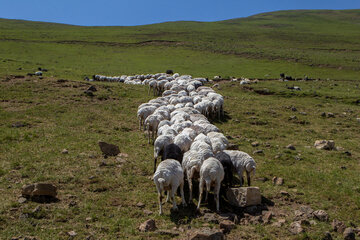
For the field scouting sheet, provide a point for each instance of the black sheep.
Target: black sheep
(171, 151)
(228, 168)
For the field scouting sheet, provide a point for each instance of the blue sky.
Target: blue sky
(139, 12)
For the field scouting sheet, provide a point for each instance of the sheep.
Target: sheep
(242, 161)
(151, 123)
(160, 143)
(211, 173)
(168, 177)
(218, 141)
(183, 141)
(172, 151)
(144, 112)
(228, 166)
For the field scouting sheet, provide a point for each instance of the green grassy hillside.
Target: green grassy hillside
(320, 44)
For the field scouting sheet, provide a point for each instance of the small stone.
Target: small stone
(227, 225)
(349, 234)
(255, 144)
(22, 200)
(147, 212)
(64, 151)
(284, 193)
(348, 153)
(323, 114)
(291, 147)
(303, 113)
(338, 226)
(88, 219)
(330, 115)
(321, 215)
(278, 181)
(295, 228)
(263, 179)
(89, 93)
(37, 209)
(72, 233)
(343, 167)
(123, 155)
(256, 220)
(324, 144)
(292, 118)
(313, 222)
(18, 125)
(267, 215)
(327, 236)
(293, 109)
(147, 226)
(140, 205)
(92, 88)
(258, 151)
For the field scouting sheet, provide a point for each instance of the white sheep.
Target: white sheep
(143, 113)
(242, 162)
(218, 141)
(151, 123)
(168, 177)
(211, 174)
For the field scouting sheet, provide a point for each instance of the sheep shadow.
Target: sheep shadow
(223, 119)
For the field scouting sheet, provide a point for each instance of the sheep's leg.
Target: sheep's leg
(173, 190)
(216, 193)
(201, 188)
(208, 185)
(167, 196)
(139, 124)
(248, 178)
(182, 194)
(190, 186)
(155, 164)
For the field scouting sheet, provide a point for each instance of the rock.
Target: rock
(324, 144)
(22, 200)
(293, 109)
(206, 234)
(227, 225)
(147, 212)
(89, 93)
(229, 216)
(123, 155)
(338, 226)
(291, 147)
(39, 189)
(358, 120)
(292, 118)
(279, 223)
(147, 226)
(266, 217)
(284, 193)
(295, 228)
(88, 219)
(210, 218)
(244, 196)
(327, 236)
(255, 144)
(330, 115)
(140, 205)
(64, 151)
(72, 233)
(109, 149)
(348, 153)
(19, 124)
(349, 234)
(321, 215)
(278, 181)
(258, 151)
(92, 88)
(262, 179)
(323, 114)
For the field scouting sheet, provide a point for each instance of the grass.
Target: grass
(99, 199)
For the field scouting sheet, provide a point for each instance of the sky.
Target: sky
(140, 12)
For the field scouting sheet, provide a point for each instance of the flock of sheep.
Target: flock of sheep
(185, 139)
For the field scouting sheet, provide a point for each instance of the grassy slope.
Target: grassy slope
(59, 116)
(315, 43)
